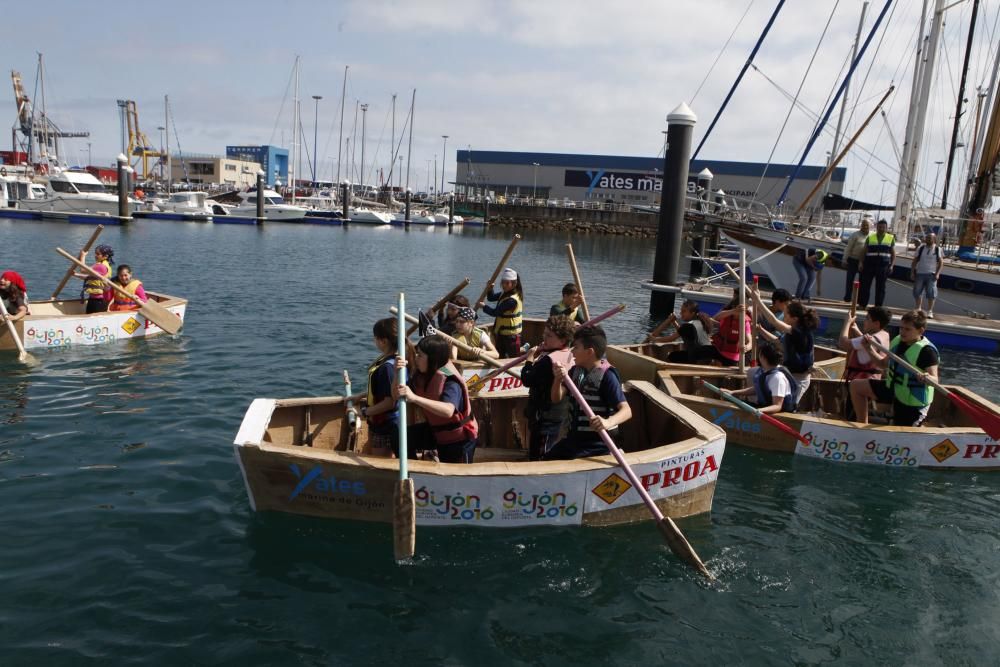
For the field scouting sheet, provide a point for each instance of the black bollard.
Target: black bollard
(124, 213)
(409, 198)
(451, 209)
(345, 200)
(486, 211)
(680, 127)
(260, 197)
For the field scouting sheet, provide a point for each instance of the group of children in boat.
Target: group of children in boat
(445, 423)
(786, 354)
(98, 296)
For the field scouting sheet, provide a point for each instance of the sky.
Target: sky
(574, 76)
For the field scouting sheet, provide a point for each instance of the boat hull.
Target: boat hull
(61, 324)
(504, 490)
(962, 447)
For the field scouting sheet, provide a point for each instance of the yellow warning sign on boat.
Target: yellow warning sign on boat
(944, 450)
(473, 383)
(130, 325)
(612, 488)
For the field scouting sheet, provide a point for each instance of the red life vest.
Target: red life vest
(856, 370)
(727, 340)
(462, 424)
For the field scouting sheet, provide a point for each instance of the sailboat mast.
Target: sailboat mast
(958, 105)
(340, 142)
(166, 130)
(409, 150)
(392, 145)
(843, 106)
(904, 205)
(45, 115)
(295, 133)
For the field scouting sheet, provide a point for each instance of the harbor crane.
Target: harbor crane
(138, 143)
(33, 132)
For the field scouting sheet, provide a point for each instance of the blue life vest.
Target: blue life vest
(764, 396)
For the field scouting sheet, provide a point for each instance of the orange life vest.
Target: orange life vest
(121, 303)
(727, 340)
(462, 424)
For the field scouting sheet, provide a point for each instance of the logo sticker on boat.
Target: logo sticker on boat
(944, 450)
(612, 488)
(130, 325)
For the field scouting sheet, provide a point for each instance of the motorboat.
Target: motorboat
(73, 192)
(369, 216)
(275, 208)
(188, 204)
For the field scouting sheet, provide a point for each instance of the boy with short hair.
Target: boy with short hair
(570, 304)
(600, 386)
(911, 395)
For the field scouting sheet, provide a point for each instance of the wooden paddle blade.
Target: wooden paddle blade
(404, 520)
(681, 547)
(161, 317)
(988, 421)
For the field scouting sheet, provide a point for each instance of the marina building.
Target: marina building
(622, 179)
(273, 160)
(213, 170)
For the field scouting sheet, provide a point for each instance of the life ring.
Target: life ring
(3, 171)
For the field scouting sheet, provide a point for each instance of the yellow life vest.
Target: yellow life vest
(121, 303)
(377, 364)
(473, 339)
(509, 321)
(880, 250)
(93, 286)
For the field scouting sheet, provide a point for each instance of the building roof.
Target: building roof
(717, 167)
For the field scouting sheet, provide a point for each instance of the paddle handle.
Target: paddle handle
(352, 414)
(401, 372)
(674, 537)
(477, 352)
(855, 289)
(83, 251)
(659, 329)
(443, 301)
(496, 272)
(21, 354)
(576, 279)
(763, 416)
(515, 361)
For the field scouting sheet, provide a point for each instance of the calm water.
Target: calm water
(127, 536)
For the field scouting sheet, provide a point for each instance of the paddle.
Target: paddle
(658, 330)
(151, 310)
(404, 506)
(987, 420)
(496, 272)
(674, 537)
(21, 354)
(743, 310)
(755, 326)
(83, 251)
(515, 361)
(763, 416)
(474, 351)
(443, 301)
(854, 299)
(576, 279)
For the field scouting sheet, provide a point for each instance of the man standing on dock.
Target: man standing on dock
(877, 265)
(854, 254)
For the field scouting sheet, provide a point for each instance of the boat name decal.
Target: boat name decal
(890, 455)
(987, 451)
(730, 420)
(96, 334)
(322, 484)
(456, 506)
(49, 337)
(676, 474)
(537, 506)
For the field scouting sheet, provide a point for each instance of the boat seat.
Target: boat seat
(500, 455)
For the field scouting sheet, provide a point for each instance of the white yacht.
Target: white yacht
(416, 217)
(188, 204)
(368, 216)
(275, 208)
(73, 192)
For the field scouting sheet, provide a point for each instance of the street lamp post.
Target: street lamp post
(315, 134)
(90, 158)
(664, 142)
(444, 158)
(534, 179)
(364, 114)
